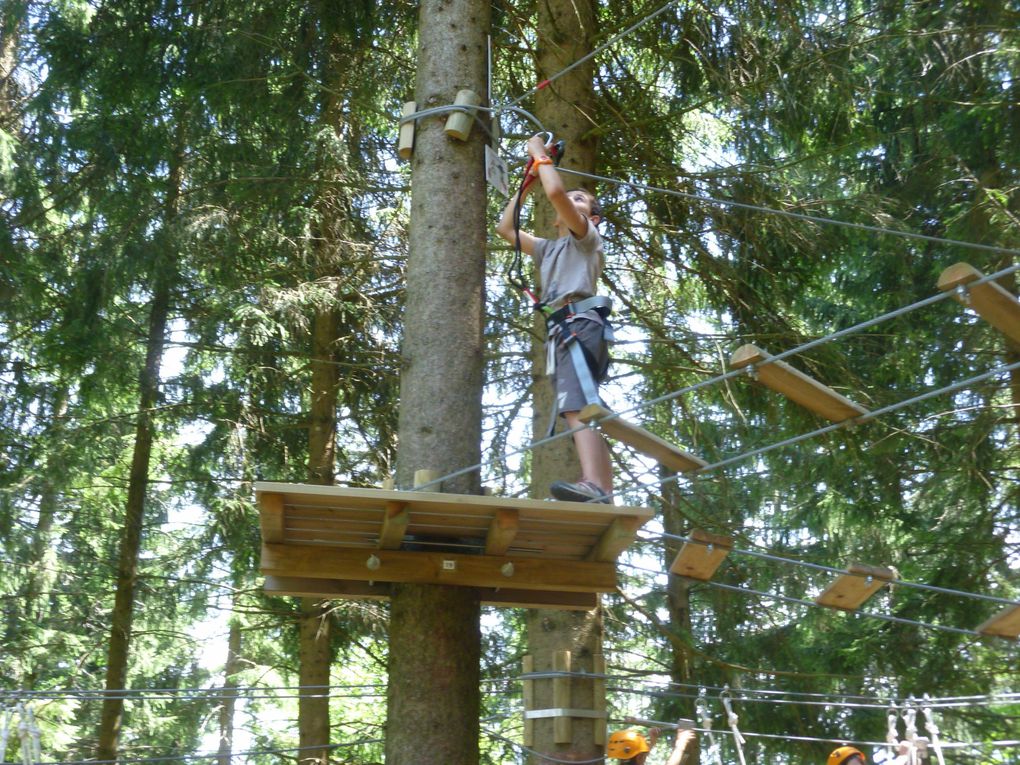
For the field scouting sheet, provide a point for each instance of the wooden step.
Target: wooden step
(851, 589)
(657, 448)
(990, 300)
(1005, 624)
(795, 385)
(700, 557)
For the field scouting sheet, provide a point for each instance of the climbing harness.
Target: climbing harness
(714, 750)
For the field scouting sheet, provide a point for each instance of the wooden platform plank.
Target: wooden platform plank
(354, 590)
(572, 528)
(1005, 624)
(992, 302)
(648, 443)
(318, 562)
(849, 591)
(699, 559)
(795, 385)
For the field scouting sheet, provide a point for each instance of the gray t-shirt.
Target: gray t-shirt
(569, 268)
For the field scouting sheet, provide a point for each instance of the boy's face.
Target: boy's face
(582, 202)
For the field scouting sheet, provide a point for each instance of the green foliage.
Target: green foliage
(288, 202)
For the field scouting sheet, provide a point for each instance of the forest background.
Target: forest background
(202, 209)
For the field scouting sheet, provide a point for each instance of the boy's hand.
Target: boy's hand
(537, 146)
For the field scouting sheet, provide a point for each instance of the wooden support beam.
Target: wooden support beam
(394, 525)
(599, 697)
(306, 587)
(992, 302)
(323, 562)
(271, 517)
(699, 559)
(795, 385)
(615, 539)
(502, 531)
(528, 693)
(851, 589)
(562, 725)
(645, 442)
(1005, 624)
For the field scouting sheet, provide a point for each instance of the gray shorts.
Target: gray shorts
(569, 395)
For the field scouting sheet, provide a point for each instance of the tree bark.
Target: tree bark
(566, 31)
(435, 643)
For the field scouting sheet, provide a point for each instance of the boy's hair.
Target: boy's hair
(596, 206)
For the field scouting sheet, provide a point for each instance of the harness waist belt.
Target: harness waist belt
(600, 303)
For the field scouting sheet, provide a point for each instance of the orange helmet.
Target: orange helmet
(625, 744)
(844, 753)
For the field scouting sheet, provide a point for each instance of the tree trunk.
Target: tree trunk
(566, 31)
(229, 691)
(165, 268)
(435, 643)
(315, 622)
(131, 535)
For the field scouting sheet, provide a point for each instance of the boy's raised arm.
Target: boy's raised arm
(554, 189)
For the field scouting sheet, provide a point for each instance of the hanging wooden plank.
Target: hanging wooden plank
(528, 698)
(599, 697)
(659, 449)
(795, 385)
(1005, 624)
(562, 725)
(851, 589)
(992, 302)
(700, 557)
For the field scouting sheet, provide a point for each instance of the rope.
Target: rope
(933, 729)
(831, 570)
(729, 375)
(541, 756)
(732, 719)
(797, 216)
(714, 749)
(835, 426)
(215, 755)
(811, 603)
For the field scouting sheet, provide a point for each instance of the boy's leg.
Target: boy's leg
(593, 454)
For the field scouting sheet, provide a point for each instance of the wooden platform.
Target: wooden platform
(796, 385)
(991, 301)
(332, 541)
(659, 449)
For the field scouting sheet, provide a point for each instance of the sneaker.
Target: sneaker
(582, 491)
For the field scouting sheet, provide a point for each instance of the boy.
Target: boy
(569, 267)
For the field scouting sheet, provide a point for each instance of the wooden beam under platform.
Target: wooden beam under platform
(353, 590)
